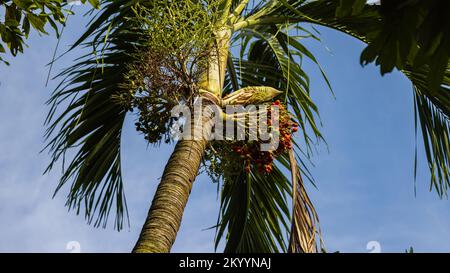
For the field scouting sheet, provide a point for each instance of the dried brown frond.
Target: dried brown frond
(305, 235)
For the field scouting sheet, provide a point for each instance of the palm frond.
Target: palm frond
(365, 22)
(88, 129)
(432, 105)
(432, 113)
(270, 57)
(254, 213)
(304, 222)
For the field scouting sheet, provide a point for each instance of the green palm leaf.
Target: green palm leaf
(366, 23)
(432, 104)
(254, 213)
(89, 128)
(267, 58)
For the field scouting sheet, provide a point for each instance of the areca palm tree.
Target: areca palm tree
(149, 55)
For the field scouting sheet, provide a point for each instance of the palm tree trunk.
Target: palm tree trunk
(164, 218)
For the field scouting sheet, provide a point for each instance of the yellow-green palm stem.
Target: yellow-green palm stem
(212, 81)
(238, 10)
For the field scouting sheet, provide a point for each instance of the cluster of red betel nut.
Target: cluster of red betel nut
(263, 160)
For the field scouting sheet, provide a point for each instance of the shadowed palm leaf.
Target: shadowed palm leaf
(91, 121)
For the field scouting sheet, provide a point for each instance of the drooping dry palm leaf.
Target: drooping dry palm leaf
(305, 230)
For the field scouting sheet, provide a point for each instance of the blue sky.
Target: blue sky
(365, 181)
